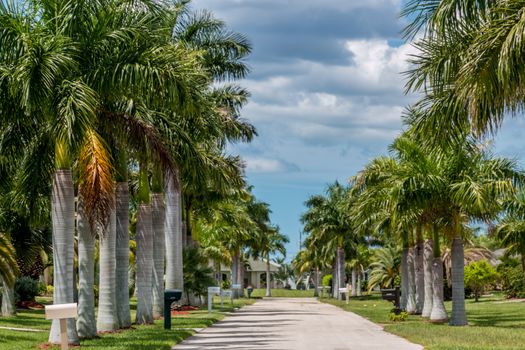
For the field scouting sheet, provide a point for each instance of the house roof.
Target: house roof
(258, 265)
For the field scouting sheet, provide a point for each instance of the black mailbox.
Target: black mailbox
(170, 296)
(393, 295)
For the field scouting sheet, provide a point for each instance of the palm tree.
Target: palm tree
(384, 268)
(511, 230)
(158, 219)
(144, 261)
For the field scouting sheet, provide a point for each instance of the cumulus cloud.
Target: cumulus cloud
(265, 165)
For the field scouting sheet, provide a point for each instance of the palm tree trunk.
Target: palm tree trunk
(459, 315)
(158, 214)
(404, 279)
(354, 281)
(427, 276)
(86, 323)
(63, 221)
(122, 255)
(173, 232)
(358, 286)
(341, 271)
(268, 277)
(8, 300)
(335, 280)
(107, 319)
(235, 273)
(411, 301)
(316, 285)
(144, 262)
(419, 271)
(438, 313)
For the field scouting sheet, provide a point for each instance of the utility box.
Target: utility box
(170, 296)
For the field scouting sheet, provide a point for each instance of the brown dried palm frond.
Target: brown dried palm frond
(96, 180)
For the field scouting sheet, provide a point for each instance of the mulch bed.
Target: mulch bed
(29, 305)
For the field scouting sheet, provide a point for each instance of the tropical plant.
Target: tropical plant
(384, 269)
(197, 273)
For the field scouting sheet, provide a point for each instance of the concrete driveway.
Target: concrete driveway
(289, 324)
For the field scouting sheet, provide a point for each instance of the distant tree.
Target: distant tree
(478, 275)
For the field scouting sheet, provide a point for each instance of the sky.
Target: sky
(327, 95)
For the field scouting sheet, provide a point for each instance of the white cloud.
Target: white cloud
(266, 165)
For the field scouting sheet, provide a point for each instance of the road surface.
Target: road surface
(295, 324)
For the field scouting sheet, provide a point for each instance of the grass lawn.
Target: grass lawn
(152, 337)
(284, 293)
(494, 324)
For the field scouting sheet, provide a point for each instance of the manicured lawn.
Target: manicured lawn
(284, 293)
(152, 337)
(494, 324)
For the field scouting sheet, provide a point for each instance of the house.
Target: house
(254, 273)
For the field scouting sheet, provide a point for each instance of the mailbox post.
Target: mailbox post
(346, 293)
(211, 292)
(62, 312)
(170, 296)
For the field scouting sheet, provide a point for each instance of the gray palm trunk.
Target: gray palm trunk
(158, 214)
(235, 272)
(438, 313)
(107, 319)
(427, 278)
(144, 263)
(341, 270)
(419, 275)
(459, 315)
(86, 322)
(8, 300)
(122, 255)
(411, 297)
(335, 280)
(404, 279)
(173, 232)
(358, 285)
(354, 281)
(316, 285)
(268, 277)
(63, 222)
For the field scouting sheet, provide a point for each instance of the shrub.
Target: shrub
(398, 317)
(26, 289)
(327, 280)
(478, 275)
(42, 290)
(49, 289)
(513, 282)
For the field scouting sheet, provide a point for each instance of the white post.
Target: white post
(211, 292)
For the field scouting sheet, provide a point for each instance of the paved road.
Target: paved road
(289, 324)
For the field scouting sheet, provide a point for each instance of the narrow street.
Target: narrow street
(289, 324)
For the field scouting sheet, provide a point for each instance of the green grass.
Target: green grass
(152, 337)
(493, 324)
(284, 293)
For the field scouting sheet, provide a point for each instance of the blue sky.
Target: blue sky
(327, 94)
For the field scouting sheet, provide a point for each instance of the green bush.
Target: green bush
(513, 282)
(398, 317)
(478, 276)
(26, 289)
(327, 280)
(42, 289)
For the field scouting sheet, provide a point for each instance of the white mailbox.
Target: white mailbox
(211, 292)
(62, 312)
(346, 292)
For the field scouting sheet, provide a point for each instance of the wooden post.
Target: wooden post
(64, 342)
